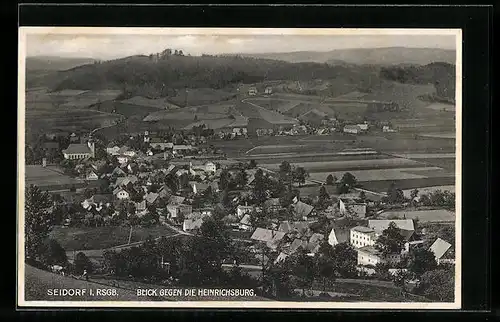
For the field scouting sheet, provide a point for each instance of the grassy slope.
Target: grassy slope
(103, 237)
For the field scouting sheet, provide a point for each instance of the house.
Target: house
(361, 236)
(160, 144)
(126, 151)
(207, 166)
(440, 248)
(177, 200)
(140, 206)
(97, 200)
(91, 175)
(363, 126)
(270, 237)
(368, 255)
(353, 129)
(198, 187)
(272, 204)
(244, 223)
(405, 226)
(122, 159)
(302, 210)
(356, 209)
(314, 243)
(252, 91)
(76, 151)
(151, 198)
(242, 210)
(268, 90)
(387, 129)
(299, 227)
(118, 172)
(121, 193)
(179, 149)
(338, 235)
(112, 149)
(192, 224)
(177, 210)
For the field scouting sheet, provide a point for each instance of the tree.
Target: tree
(324, 262)
(438, 285)
(82, 263)
(38, 220)
(260, 187)
(252, 164)
(225, 178)
(421, 261)
(323, 197)
(300, 175)
(285, 172)
(54, 254)
(394, 194)
(349, 180)
(345, 260)
(391, 241)
(302, 268)
(414, 194)
(329, 180)
(241, 178)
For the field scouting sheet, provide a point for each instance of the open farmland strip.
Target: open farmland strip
(371, 175)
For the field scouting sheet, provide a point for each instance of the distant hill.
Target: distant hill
(156, 76)
(377, 56)
(53, 63)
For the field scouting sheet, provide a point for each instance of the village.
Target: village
(159, 183)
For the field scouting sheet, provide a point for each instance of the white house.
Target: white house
(368, 255)
(387, 128)
(353, 129)
(244, 223)
(361, 236)
(252, 91)
(192, 224)
(268, 90)
(363, 126)
(121, 193)
(175, 210)
(91, 176)
(439, 248)
(122, 159)
(242, 210)
(112, 149)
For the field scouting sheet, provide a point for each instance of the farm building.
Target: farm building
(353, 129)
(77, 151)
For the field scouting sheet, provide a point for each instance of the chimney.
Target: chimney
(44, 162)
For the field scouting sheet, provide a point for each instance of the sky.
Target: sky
(107, 46)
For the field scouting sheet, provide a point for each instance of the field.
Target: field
(374, 175)
(75, 238)
(383, 185)
(49, 178)
(38, 281)
(49, 112)
(182, 115)
(351, 164)
(126, 109)
(441, 107)
(426, 190)
(450, 135)
(200, 96)
(437, 215)
(159, 103)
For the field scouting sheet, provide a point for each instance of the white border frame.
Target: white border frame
(24, 31)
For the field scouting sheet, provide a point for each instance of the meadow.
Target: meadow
(435, 215)
(373, 175)
(96, 238)
(49, 177)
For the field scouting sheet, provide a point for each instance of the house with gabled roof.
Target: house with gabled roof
(192, 224)
(440, 248)
(338, 235)
(91, 175)
(302, 210)
(270, 237)
(121, 193)
(118, 172)
(151, 198)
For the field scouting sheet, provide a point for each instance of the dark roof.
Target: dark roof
(77, 148)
